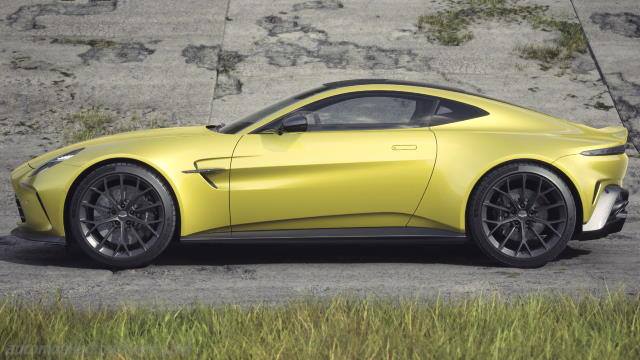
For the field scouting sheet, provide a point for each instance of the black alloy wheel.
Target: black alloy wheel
(122, 215)
(523, 215)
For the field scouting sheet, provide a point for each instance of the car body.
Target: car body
(356, 159)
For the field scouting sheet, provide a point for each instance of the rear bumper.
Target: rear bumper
(609, 214)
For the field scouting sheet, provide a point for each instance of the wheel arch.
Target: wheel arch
(570, 183)
(83, 174)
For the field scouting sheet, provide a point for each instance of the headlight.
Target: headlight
(616, 150)
(55, 161)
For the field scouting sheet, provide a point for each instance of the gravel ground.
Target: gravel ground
(244, 274)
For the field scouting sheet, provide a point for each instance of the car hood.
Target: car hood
(151, 135)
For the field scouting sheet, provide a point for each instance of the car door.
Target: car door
(364, 160)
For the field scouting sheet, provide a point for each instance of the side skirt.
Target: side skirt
(336, 236)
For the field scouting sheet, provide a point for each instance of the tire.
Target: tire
(122, 201)
(499, 214)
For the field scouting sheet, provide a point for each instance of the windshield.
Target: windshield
(238, 125)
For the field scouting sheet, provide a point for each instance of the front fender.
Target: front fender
(202, 207)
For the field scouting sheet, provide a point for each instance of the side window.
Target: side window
(370, 111)
(450, 111)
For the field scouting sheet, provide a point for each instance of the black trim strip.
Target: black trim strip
(614, 150)
(328, 235)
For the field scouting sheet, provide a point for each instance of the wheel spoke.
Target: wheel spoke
(97, 222)
(551, 206)
(499, 225)
(523, 189)
(544, 244)
(547, 191)
(138, 196)
(513, 229)
(499, 221)
(108, 193)
(152, 231)
(518, 249)
(105, 195)
(138, 239)
(497, 206)
(96, 206)
(124, 237)
(148, 207)
(536, 196)
(122, 197)
(547, 224)
(527, 247)
(507, 195)
(104, 238)
(144, 222)
(524, 238)
(94, 225)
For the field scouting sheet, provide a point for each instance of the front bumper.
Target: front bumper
(609, 214)
(25, 234)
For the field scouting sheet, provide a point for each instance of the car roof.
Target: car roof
(354, 82)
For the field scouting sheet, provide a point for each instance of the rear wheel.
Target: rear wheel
(122, 215)
(522, 215)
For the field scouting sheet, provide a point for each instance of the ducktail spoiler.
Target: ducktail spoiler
(618, 132)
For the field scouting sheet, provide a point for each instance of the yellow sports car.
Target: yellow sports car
(353, 160)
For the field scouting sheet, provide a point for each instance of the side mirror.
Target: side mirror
(295, 123)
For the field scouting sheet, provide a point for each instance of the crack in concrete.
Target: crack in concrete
(621, 91)
(626, 111)
(25, 18)
(625, 23)
(202, 56)
(222, 61)
(226, 82)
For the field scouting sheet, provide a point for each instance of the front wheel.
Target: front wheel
(522, 215)
(122, 215)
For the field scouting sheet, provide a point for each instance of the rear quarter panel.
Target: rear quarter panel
(467, 150)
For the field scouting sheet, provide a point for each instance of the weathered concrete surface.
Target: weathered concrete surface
(57, 57)
(212, 61)
(613, 30)
(290, 48)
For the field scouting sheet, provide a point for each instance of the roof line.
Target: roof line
(344, 83)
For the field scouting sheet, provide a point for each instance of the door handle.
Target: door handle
(404, 147)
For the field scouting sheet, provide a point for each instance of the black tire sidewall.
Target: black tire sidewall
(474, 218)
(165, 236)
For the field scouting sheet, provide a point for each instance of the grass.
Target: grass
(95, 122)
(450, 27)
(533, 327)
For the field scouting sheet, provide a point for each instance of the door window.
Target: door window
(450, 111)
(369, 111)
